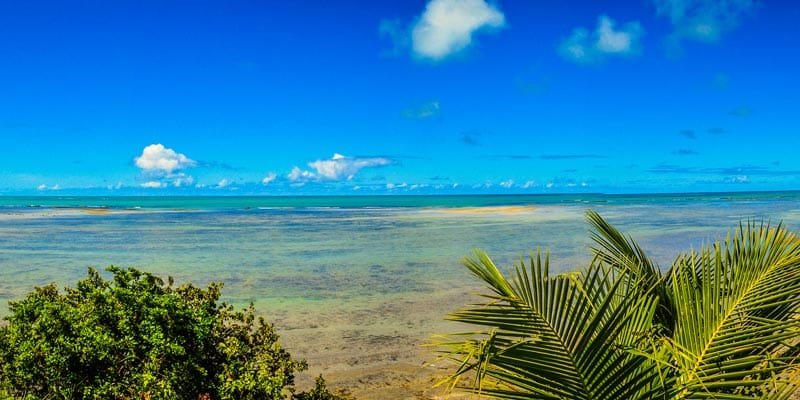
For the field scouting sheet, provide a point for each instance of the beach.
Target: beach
(356, 290)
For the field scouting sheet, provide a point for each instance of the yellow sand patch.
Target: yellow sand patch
(95, 211)
(489, 210)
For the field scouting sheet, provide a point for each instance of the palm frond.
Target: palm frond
(555, 337)
(722, 323)
(623, 253)
(737, 324)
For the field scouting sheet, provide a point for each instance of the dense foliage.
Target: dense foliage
(722, 323)
(135, 337)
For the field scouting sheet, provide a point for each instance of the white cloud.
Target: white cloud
(447, 26)
(702, 20)
(299, 175)
(337, 168)
(159, 159)
(223, 183)
(153, 184)
(182, 180)
(269, 178)
(43, 187)
(584, 47)
(611, 41)
(738, 179)
(529, 184)
(507, 184)
(404, 185)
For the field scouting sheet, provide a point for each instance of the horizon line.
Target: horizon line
(410, 194)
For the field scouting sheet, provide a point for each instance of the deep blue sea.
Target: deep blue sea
(354, 284)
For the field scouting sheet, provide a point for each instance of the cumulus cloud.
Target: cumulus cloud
(485, 185)
(507, 184)
(740, 179)
(153, 184)
(444, 28)
(584, 47)
(223, 183)
(337, 168)
(702, 20)
(182, 180)
(447, 26)
(391, 185)
(297, 175)
(44, 187)
(156, 158)
(269, 178)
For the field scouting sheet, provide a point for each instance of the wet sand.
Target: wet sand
(496, 210)
(376, 352)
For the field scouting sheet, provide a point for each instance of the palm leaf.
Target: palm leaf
(722, 323)
(737, 324)
(623, 253)
(554, 337)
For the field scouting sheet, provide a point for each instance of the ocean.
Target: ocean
(354, 284)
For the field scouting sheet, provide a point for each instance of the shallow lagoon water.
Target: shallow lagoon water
(354, 290)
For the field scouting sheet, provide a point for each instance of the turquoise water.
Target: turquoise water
(288, 252)
(352, 283)
(243, 202)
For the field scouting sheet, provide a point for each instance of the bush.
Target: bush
(136, 337)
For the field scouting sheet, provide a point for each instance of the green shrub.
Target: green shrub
(136, 337)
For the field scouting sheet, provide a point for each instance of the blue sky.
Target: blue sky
(436, 96)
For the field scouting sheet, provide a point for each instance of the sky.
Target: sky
(398, 97)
